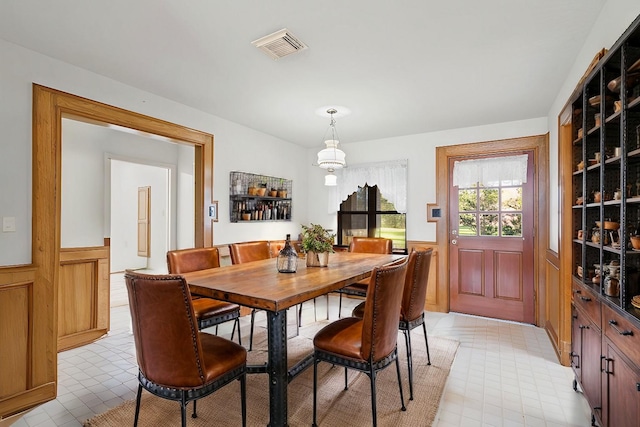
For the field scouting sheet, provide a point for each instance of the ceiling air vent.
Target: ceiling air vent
(279, 44)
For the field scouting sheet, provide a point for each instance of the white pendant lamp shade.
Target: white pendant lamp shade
(330, 180)
(331, 157)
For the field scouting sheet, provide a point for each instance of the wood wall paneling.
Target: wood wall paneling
(83, 296)
(15, 318)
(24, 381)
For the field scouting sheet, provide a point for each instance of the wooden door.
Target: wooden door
(621, 383)
(491, 248)
(144, 221)
(591, 362)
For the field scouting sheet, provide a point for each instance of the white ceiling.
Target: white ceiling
(401, 68)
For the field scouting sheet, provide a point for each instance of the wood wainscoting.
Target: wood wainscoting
(83, 296)
(557, 308)
(24, 349)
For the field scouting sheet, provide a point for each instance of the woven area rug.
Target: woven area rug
(336, 407)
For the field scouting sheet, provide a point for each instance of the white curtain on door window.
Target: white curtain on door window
(490, 172)
(390, 177)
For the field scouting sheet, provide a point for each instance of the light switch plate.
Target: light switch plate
(8, 224)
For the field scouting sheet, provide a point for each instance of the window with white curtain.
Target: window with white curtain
(390, 177)
(372, 202)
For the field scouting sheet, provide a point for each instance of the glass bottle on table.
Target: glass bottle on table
(288, 258)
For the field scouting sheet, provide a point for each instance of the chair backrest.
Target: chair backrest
(188, 260)
(275, 246)
(371, 245)
(382, 310)
(415, 284)
(165, 330)
(249, 251)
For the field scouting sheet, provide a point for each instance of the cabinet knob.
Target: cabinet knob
(585, 299)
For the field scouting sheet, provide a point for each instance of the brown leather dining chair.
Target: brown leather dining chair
(209, 311)
(366, 344)
(175, 360)
(370, 245)
(248, 252)
(412, 309)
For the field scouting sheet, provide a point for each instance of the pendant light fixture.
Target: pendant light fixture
(331, 157)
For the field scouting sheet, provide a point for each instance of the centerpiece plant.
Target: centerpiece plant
(317, 243)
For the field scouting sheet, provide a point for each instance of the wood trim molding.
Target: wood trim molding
(83, 296)
(565, 262)
(49, 107)
(539, 144)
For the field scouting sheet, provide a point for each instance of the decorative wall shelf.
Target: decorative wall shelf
(259, 198)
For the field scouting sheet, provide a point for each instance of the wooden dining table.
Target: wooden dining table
(259, 285)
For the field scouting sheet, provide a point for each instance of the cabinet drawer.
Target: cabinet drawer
(622, 333)
(586, 300)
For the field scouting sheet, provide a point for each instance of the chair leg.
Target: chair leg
(237, 323)
(315, 391)
(243, 398)
(374, 411)
(404, 408)
(138, 398)
(315, 315)
(216, 329)
(253, 316)
(340, 306)
(346, 385)
(195, 414)
(426, 339)
(407, 341)
(183, 409)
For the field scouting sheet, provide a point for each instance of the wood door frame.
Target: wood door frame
(539, 144)
(50, 106)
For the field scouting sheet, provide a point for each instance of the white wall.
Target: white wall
(241, 148)
(420, 150)
(85, 205)
(614, 19)
(236, 147)
(185, 226)
(126, 178)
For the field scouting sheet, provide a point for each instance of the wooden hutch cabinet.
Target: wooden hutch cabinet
(604, 191)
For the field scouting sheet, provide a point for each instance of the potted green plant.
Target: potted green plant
(317, 243)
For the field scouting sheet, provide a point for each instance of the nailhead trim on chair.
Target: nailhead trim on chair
(192, 394)
(357, 365)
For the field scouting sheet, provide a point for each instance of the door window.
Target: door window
(492, 210)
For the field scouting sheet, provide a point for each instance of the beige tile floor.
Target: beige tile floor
(504, 374)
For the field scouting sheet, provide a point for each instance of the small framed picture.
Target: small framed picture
(213, 211)
(434, 213)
